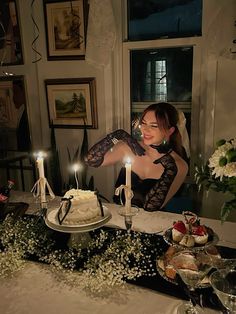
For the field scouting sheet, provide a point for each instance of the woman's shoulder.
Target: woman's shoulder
(181, 163)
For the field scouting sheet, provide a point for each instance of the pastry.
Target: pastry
(187, 241)
(189, 232)
(200, 234)
(178, 231)
(164, 263)
(170, 272)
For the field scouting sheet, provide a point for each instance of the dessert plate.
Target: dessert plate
(161, 270)
(212, 240)
(53, 223)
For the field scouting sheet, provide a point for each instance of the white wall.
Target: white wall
(36, 73)
(218, 88)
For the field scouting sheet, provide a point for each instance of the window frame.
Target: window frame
(195, 42)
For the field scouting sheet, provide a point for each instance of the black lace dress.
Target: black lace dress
(149, 194)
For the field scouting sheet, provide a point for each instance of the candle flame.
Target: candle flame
(128, 160)
(40, 154)
(76, 167)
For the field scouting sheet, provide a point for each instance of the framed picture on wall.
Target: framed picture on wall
(72, 102)
(10, 37)
(14, 122)
(66, 25)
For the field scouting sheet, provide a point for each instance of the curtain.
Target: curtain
(101, 34)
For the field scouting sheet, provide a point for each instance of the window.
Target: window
(163, 69)
(155, 80)
(161, 75)
(152, 19)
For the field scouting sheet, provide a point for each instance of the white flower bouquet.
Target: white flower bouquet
(219, 174)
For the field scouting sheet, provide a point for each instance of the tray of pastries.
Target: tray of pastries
(190, 233)
(168, 272)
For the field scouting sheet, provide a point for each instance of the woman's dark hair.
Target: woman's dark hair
(167, 116)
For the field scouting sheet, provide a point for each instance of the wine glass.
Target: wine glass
(223, 282)
(192, 266)
(220, 260)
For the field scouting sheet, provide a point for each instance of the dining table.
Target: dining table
(35, 289)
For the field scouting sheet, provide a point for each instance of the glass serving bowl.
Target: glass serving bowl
(162, 266)
(219, 260)
(192, 266)
(224, 284)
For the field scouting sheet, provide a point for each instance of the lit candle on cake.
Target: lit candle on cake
(40, 165)
(76, 168)
(128, 185)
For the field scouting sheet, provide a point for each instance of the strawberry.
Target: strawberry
(3, 198)
(199, 230)
(180, 226)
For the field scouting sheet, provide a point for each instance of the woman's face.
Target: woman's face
(151, 133)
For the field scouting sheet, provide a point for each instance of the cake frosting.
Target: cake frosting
(79, 207)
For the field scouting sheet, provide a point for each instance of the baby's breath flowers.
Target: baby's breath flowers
(219, 173)
(10, 261)
(111, 258)
(19, 239)
(62, 260)
(126, 257)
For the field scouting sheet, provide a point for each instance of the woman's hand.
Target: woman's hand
(122, 135)
(95, 156)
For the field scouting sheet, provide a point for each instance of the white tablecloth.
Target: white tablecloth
(36, 290)
(152, 222)
(149, 222)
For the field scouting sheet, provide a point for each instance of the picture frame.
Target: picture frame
(10, 34)
(72, 102)
(15, 129)
(66, 27)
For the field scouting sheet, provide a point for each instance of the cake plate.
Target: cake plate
(79, 233)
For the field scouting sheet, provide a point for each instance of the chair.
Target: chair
(14, 162)
(184, 200)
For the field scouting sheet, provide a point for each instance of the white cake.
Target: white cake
(84, 207)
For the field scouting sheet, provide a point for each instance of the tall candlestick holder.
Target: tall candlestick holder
(128, 217)
(41, 186)
(37, 191)
(127, 211)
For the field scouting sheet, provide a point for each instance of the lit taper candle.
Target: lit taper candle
(40, 165)
(128, 184)
(76, 168)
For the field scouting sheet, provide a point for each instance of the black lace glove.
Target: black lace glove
(163, 148)
(122, 135)
(96, 154)
(157, 195)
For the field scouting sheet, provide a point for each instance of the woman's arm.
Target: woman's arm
(96, 154)
(156, 197)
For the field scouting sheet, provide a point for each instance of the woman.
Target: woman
(158, 170)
